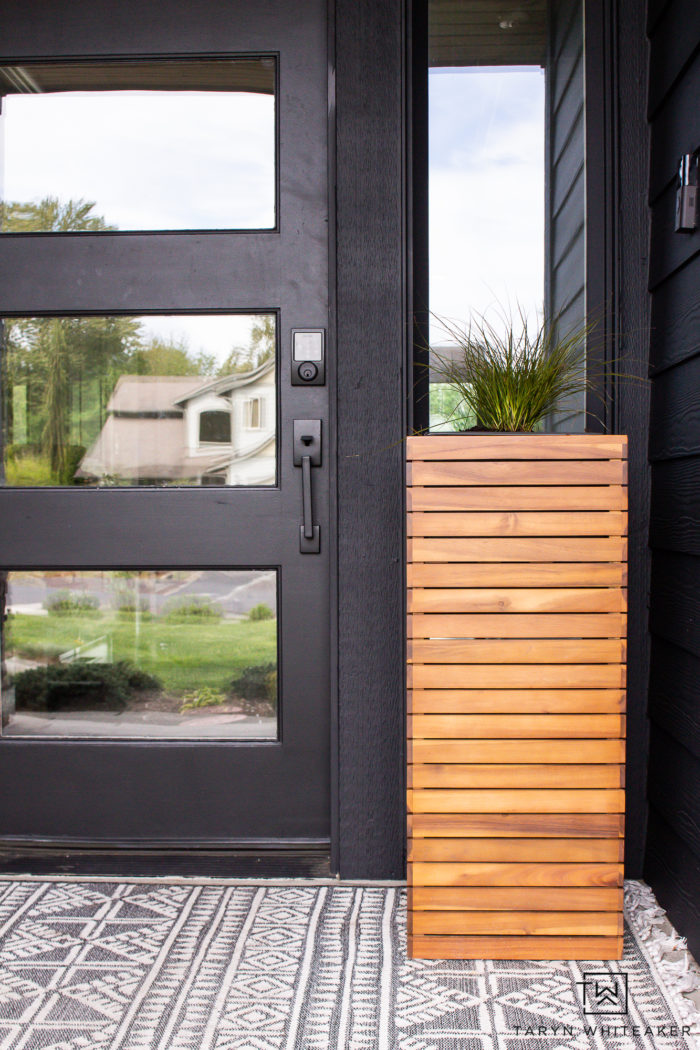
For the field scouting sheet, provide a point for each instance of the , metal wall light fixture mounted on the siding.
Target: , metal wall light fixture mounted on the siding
(687, 193)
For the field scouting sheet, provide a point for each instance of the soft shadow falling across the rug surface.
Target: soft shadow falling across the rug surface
(183, 966)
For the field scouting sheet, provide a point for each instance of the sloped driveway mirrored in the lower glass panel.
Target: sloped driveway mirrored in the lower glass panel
(173, 654)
